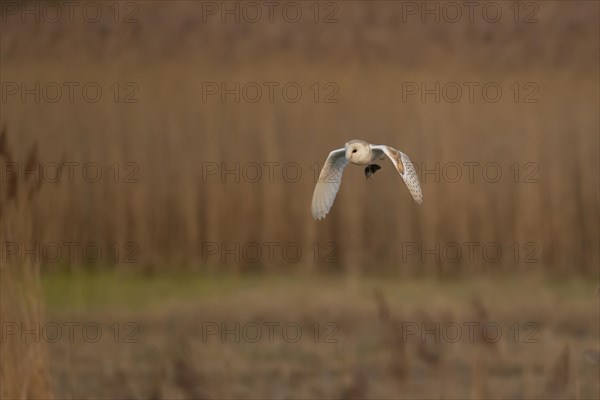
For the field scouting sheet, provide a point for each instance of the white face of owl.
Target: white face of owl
(357, 152)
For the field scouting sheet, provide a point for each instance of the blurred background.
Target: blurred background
(158, 163)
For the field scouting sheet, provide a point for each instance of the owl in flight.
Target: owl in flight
(359, 152)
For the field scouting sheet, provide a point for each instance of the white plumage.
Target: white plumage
(359, 152)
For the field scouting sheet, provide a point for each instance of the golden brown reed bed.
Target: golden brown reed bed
(174, 139)
(171, 136)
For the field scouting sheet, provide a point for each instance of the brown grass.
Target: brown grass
(24, 368)
(369, 360)
(559, 377)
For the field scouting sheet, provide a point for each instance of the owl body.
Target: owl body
(362, 153)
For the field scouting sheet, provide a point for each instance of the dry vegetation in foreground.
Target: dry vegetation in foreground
(177, 357)
(24, 366)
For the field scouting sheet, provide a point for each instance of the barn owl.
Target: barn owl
(359, 152)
